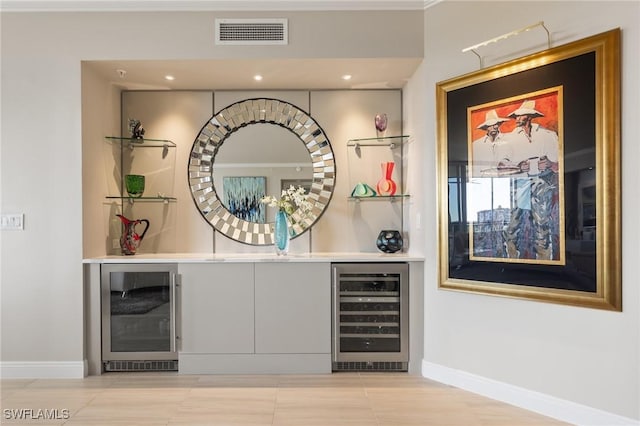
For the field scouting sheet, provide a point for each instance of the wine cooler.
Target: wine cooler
(139, 317)
(370, 317)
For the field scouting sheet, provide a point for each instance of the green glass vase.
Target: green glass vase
(134, 185)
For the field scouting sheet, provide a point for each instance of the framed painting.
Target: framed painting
(242, 195)
(529, 177)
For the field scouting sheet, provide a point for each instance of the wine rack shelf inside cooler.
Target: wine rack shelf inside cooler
(370, 321)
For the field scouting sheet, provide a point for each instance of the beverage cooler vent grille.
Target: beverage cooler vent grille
(141, 366)
(370, 366)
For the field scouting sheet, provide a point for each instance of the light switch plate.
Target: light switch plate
(12, 221)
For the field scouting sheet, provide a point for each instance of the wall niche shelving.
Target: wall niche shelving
(155, 159)
(380, 210)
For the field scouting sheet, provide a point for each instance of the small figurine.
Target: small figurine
(136, 129)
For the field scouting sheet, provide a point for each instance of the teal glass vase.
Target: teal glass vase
(281, 233)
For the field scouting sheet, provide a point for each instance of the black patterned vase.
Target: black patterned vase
(389, 241)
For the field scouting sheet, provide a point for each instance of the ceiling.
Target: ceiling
(237, 74)
(208, 5)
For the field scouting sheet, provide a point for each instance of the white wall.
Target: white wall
(587, 356)
(419, 180)
(100, 117)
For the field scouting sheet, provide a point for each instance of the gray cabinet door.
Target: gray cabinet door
(293, 308)
(216, 308)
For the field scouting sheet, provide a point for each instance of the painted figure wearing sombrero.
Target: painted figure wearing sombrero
(533, 230)
(542, 143)
(486, 150)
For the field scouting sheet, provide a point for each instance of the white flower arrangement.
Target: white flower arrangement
(289, 200)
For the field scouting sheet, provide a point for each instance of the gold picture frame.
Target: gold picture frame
(521, 147)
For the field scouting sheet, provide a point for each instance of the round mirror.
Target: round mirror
(253, 148)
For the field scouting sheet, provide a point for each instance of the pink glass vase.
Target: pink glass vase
(386, 185)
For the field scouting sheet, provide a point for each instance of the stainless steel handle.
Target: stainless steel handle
(335, 308)
(174, 314)
(355, 299)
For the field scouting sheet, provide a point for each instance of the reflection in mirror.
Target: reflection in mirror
(479, 213)
(244, 143)
(256, 161)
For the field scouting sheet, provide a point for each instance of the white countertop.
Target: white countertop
(255, 257)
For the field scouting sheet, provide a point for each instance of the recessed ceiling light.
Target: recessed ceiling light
(257, 77)
(346, 77)
(169, 77)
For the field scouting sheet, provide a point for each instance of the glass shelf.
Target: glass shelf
(143, 199)
(143, 143)
(380, 198)
(388, 141)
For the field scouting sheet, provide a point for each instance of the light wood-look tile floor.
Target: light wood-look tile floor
(362, 399)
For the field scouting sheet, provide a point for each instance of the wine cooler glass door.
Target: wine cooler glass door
(138, 312)
(370, 312)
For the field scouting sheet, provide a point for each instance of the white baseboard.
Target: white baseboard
(42, 370)
(547, 405)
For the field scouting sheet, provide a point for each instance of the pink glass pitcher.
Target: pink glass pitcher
(130, 240)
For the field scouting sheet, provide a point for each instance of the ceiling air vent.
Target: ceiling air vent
(251, 31)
